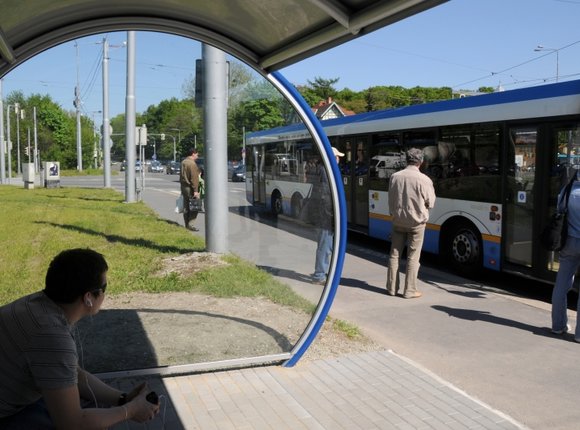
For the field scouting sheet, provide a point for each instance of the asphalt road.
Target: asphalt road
(480, 335)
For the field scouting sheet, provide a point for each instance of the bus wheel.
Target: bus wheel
(276, 202)
(463, 248)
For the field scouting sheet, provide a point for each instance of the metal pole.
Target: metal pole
(106, 132)
(216, 143)
(8, 143)
(130, 121)
(77, 104)
(557, 64)
(18, 167)
(2, 143)
(35, 159)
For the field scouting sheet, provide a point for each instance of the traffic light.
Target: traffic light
(27, 150)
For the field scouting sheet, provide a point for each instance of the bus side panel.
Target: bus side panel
(491, 252)
(431, 239)
(484, 216)
(479, 214)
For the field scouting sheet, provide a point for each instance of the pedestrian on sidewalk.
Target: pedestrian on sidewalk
(189, 180)
(569, 262)
(321, 202)
(411, 196)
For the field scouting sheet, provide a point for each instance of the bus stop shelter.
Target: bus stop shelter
(265, 35)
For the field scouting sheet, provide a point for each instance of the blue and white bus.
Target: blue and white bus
(497, 162)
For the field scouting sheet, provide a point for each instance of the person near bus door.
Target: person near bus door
(324, 218)
(569, 263)
(189, 180)
(411, 196)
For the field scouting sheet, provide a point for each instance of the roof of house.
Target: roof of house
(326, 109)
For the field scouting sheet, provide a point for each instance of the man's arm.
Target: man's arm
(91, 388)
(66, 412)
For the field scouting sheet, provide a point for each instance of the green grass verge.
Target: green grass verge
(35, 225)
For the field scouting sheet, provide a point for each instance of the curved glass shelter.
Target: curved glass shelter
(265, 228)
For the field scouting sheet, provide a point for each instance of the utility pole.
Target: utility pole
(77, 104)
(8, 144)
(35, 159)
(19, 115)
(130, 121)
(106, 131)
(2, 143)
(214, 77)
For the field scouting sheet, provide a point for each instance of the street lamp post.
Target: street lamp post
(556, 50)
(8, 142)
(19, 113)
(178, 139)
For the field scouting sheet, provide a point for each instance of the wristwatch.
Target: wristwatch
(122, 399)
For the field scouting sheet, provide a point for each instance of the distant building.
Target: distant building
(328, 109)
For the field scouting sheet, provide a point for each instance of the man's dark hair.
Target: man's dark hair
(74, 272)
(191, 151)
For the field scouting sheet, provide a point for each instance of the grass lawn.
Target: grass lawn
(37, 224)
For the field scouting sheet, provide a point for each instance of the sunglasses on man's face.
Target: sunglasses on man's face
(100, 290)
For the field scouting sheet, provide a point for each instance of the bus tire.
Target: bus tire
(276, 202)
(463, 248)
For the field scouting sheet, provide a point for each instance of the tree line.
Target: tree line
(253, 104)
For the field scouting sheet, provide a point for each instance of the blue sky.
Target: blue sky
(463, 44)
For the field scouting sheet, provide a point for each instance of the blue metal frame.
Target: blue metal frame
(340, 217)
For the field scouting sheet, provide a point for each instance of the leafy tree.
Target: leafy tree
(56, 131)
(324, 88)
(486, 89)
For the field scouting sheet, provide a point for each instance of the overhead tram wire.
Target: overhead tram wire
(513, 67)
(93, 75)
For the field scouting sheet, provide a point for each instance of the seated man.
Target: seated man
(41, 381)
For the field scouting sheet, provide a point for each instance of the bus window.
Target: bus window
(386, 157)
(426, 141)
(467, 163)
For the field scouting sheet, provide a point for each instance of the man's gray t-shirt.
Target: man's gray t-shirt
(37, 351)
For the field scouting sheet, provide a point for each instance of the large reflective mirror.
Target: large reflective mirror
(169, 303)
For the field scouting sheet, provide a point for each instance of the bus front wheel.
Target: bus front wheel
(276, 202)
(463, 248)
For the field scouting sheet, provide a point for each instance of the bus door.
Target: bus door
(521, 191)
(258, 177)
(354, 167)
(564, 161)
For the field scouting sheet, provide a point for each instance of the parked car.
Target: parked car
(173, 168)
(155, 167)
(137, 166)
(239, 174)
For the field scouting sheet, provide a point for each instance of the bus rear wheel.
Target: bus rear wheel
(463, 248)
(276, 202)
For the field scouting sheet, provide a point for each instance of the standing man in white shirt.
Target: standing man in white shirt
(411, 196)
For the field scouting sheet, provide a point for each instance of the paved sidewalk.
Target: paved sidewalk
(375, 390)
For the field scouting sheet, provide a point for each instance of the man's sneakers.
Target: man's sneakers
(414, 295)
(564, 330)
